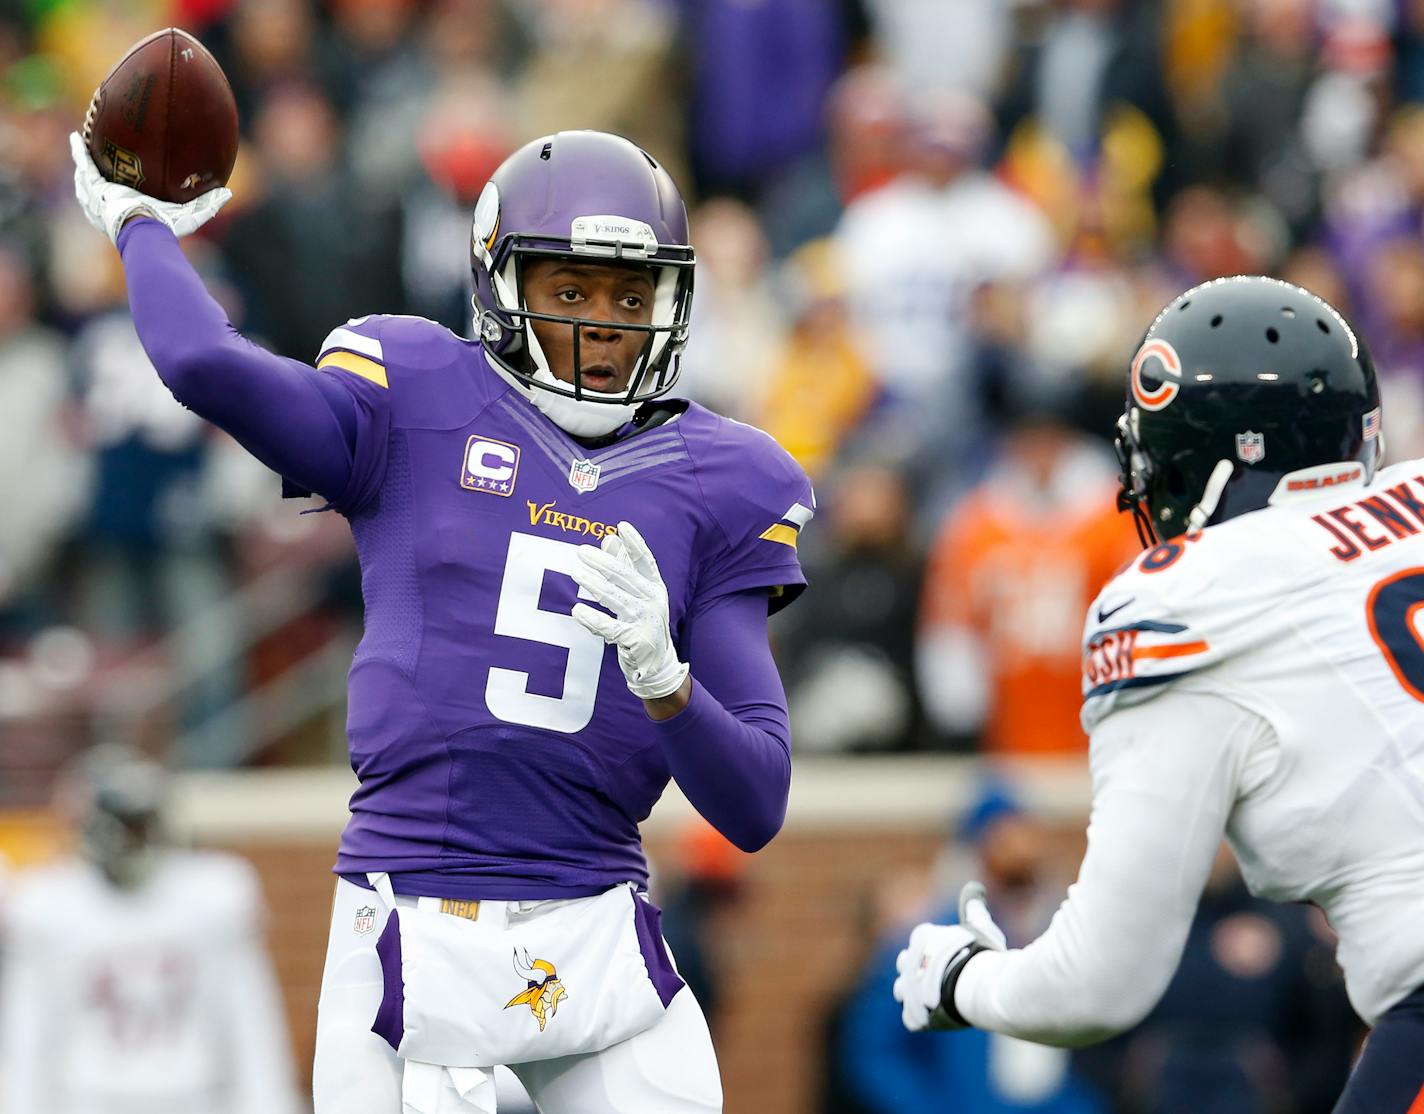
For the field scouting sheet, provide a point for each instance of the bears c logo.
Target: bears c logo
(1161, 395)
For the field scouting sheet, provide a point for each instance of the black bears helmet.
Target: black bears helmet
(114, 798)
(1243, 390)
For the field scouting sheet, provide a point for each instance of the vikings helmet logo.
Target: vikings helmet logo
(545, 990)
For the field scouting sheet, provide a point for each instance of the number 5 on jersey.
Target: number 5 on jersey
(519, 616)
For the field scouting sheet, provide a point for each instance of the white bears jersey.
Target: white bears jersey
(1263, 680)
(1304, 614)
(156, 999)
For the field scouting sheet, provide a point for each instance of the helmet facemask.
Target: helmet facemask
(1134, 479)
(511, 344)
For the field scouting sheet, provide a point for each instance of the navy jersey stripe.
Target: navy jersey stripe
(1134, 682)
(1149, 625)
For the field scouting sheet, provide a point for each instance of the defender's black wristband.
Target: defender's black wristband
(947, 1016)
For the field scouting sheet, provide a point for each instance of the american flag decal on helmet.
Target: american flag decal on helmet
(789, 526)
(1372, 424)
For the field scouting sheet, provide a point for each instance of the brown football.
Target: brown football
(164, 121)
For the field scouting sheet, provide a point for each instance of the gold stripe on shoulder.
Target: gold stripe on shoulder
(357, 365)
(780, 532)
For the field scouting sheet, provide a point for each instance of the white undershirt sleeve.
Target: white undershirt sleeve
(1165, 776)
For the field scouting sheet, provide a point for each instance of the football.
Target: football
(164, 121)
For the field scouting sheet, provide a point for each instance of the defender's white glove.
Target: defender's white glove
(929, 966)
(623, 577)
(108, 204)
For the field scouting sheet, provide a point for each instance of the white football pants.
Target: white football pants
(668, 1069)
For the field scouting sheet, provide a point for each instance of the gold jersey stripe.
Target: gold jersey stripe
(357, 365)
(780, 532)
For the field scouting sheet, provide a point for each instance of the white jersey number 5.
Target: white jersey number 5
(519, 616)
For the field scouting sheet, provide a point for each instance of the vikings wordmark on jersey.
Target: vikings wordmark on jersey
(477, 703)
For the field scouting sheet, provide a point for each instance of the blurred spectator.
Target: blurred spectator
(1088, 59)
(48, 477)
(1315, 269)
(273, 43)
(848, 660)
(888, 903)
(1408, 76)
(153, 555)
(385, 77)
(867, 119)
(819, 387)
(1255, 1021)
(84, 40)
(1381, 200)
(1259, 143)
(1208, 233)
(700, 894)
(1394, 321)
(892, 1071)
(135, 975)
(758, 81)
(602, 64)
(737, 324)
(459, 142)
(998, 650)
(143, 511)
(310, 251)
(934, 46)
(1395, 300)
(865, 149)
(1350, 97)
(915, 251)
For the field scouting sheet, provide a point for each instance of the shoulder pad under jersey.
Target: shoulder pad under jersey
(1154, 624)
(760, 499)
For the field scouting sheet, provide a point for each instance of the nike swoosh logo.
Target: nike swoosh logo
(1104, 616)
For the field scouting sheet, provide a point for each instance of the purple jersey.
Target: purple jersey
(496, 743)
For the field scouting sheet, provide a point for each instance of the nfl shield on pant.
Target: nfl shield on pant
(543, 981)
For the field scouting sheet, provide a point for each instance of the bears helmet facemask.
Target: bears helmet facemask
(1241, 391)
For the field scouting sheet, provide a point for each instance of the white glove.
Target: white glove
(928, 968)
(623, 577)
(108, 204)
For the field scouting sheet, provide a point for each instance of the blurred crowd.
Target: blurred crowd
(928, 235)
(1255, 1021)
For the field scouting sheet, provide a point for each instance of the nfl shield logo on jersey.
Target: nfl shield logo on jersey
(365, 920)
(583, 475)
(1251, 447)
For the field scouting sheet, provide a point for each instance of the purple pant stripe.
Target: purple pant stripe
(390, 1018)
(648, 920)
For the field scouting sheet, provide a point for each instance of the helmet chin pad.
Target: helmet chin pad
(579, 417)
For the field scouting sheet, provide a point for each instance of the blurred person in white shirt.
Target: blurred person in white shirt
(135, 979)
(918, 248)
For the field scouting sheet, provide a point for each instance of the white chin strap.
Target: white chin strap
(1216, 483)
(580, 419)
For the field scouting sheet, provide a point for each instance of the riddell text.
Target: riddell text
(1376, 522)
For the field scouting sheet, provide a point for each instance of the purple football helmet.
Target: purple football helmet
(589, 196)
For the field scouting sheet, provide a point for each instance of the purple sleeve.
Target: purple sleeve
(730, 749)
(300, 424)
